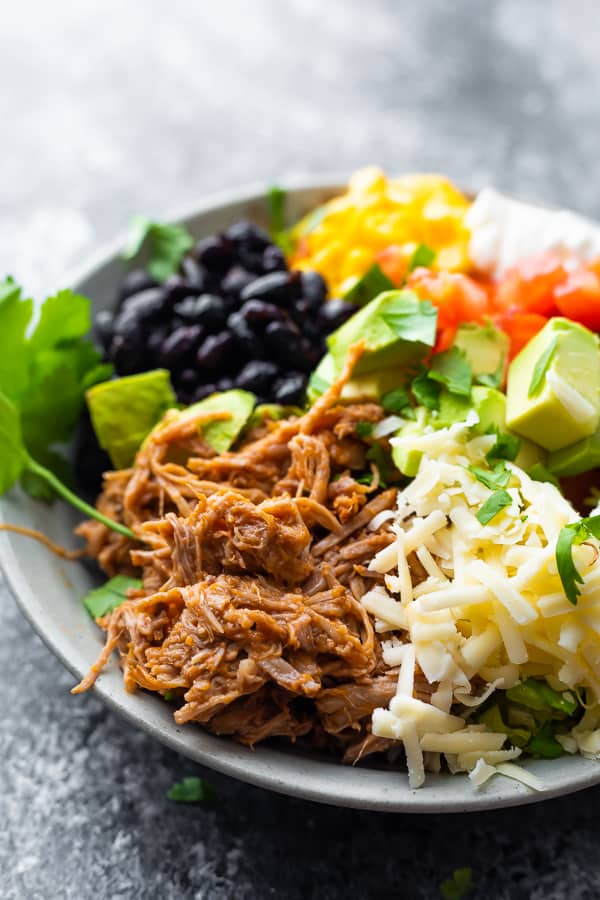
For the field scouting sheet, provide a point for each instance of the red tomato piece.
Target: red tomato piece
(520, 328)
(579, 298)
(457, 297)
(393, 263)
(529, 285)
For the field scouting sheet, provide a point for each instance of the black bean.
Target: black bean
(180, 346)
(126, 351)
(314, 289)
(140, 308)
(273, 259)
(334, 313)
(193, 273)
(204, 390)
(187, 380)
(257, 313)
(290, 389)
(207, 310)
(257, 376)
(154, 342)
(215, 254)
(247, 341)
(247, 234)
(281, 288)
(224, 384)
(283, 340)
(310, 352)
(135, 281)
(176, 288)
(103, 327)
(236, 280)
(216, 350)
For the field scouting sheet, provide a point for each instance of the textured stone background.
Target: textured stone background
(108, 108)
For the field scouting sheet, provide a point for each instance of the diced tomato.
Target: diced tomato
(393, 263)
(579, 298)
(520, 328)
(529, 285)
(457, 297)
(445, 339)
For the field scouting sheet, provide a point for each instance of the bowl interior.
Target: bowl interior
(49, 592)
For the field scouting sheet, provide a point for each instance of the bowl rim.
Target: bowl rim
(289, 773)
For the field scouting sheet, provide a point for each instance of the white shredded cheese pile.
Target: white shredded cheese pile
(492, 606)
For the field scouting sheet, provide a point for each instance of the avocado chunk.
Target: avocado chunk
(396, 328)
(369, 386)
(220, 435)
(407, 460)
(553, 390)
(576, 458)
(486, 349)
(125, 410)
(490, 406)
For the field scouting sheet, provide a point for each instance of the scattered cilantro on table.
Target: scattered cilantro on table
(191, 790)
(458, 885)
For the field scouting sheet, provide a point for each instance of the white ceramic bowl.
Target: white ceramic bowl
(49, 591)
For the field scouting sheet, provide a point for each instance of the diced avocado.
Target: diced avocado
(576, 458)
(486, 349)
(272, 411)
(553, 390)
(490, 406)
(125, 410)
(220, 435)
(406, 460)
(396, 328)
(372, 283)
(368, 386)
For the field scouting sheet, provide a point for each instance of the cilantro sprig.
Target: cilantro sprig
(494, 478)
(276, 201)
(46, 364)
(109, 595)
(494, 504)
(568, 537)
(166, 245)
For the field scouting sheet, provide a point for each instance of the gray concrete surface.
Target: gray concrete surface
(109, 108)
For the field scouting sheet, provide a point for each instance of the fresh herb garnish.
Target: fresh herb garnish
(569, 536)
(377, 455)
(364, 478)
(538, 695)
(507, 446)
(539, 472)
(372, 283)
(45, 365)
(543, 743)
(167, 245)
(364, 429)
(412, 319)
(191, 790)
(456, 887)
(453, 370)
(109, 595)
(422, 257)
(541, 367)
(395, 401)
(276, 199)
(425, 391)
(495, 478)
(493, 505)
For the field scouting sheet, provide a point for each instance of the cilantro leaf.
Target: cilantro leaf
(456, 887)
(425, 391)
(167, 244)
(495, 478)
(539, 472)
(452, 369)
(422, 257)
(541, 367)
(12, 455)
(493, 505)
(377, 455)
(109, 595)
(191, 790)
(372, 283)
(364, 429)
(569, 574)
(395, 401)
(15, 316)
(507, 446)
(276, 198)
(412, 319)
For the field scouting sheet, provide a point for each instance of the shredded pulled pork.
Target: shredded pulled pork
(253, 563)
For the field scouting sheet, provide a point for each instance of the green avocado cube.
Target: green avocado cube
(222, 434)
(368, 386)
(486, 349)
(553, 388)
(580, 457)
(125, 410)
(397, 330)
(405, 459)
